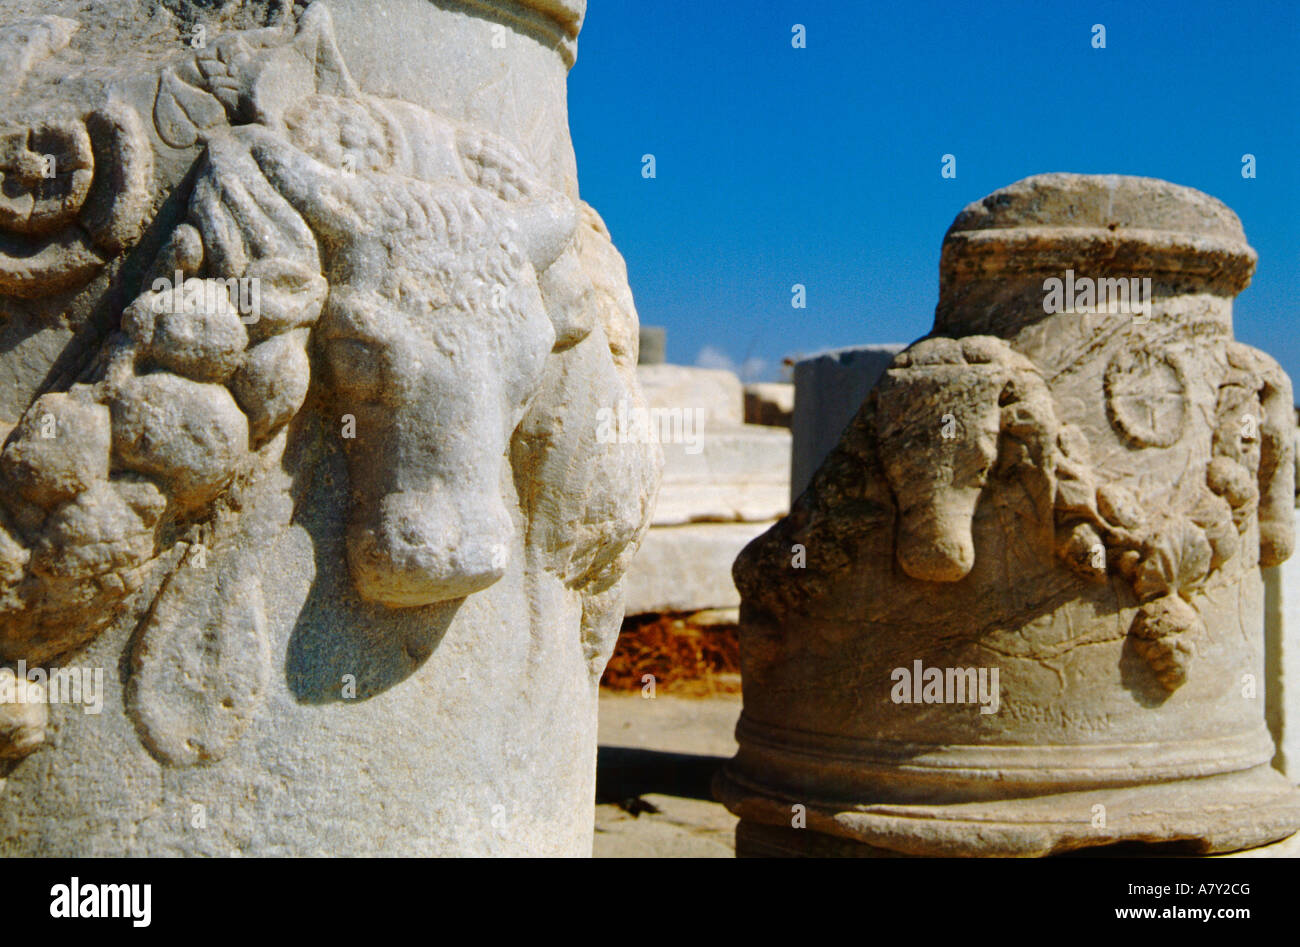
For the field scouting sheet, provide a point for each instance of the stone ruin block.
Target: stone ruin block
(1282, 664)
(305, 342)
(687, 568)
(1019, 609)
(828, 390)
(724, 481)
(653, 345)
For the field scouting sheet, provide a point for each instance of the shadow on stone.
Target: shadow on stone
(624, 773)
(338, 638)
(1183, 848)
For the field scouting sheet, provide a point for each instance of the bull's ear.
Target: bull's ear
(315, 40)
(288, 74)
(570, 299)
(546, 229)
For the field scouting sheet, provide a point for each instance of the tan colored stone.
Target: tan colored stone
(1282, 687)
(1019, 609)
(23, 716)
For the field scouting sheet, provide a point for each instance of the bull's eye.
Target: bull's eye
(356, 366)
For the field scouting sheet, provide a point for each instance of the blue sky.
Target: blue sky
(821, 166)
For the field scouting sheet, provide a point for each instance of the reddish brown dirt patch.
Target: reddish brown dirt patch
(685, 659)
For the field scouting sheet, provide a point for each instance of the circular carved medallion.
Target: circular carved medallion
(1146, 397)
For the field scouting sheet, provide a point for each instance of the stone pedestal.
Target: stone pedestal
(1019, 610)
(828, 390)
(687, 567)
(724, 482)
(1282, 664)
(307, 346)
(654, 342)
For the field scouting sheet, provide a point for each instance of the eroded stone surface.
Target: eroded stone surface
(829, 389)
(1078, 502)
(688, 567)
(329, 487)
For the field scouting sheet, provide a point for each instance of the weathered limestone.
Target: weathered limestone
(687, 567)
(1282, 656)
(654, 341)
(717, 468)
(828, 390)
(1282, 638)
(1019, 610)
(306, 340)
(724, 482)
(713, 394)
(736, 473)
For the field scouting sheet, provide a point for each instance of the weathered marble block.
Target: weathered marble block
(714, 395)
(735, 473)
(305, 334)
(1282, 644)
(724, 482)
(828, 390)
(1019, 608)
(717, 468)
(653, 345)
(687, 568)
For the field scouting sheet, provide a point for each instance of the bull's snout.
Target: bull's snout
(934, 535)
(421, 547)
